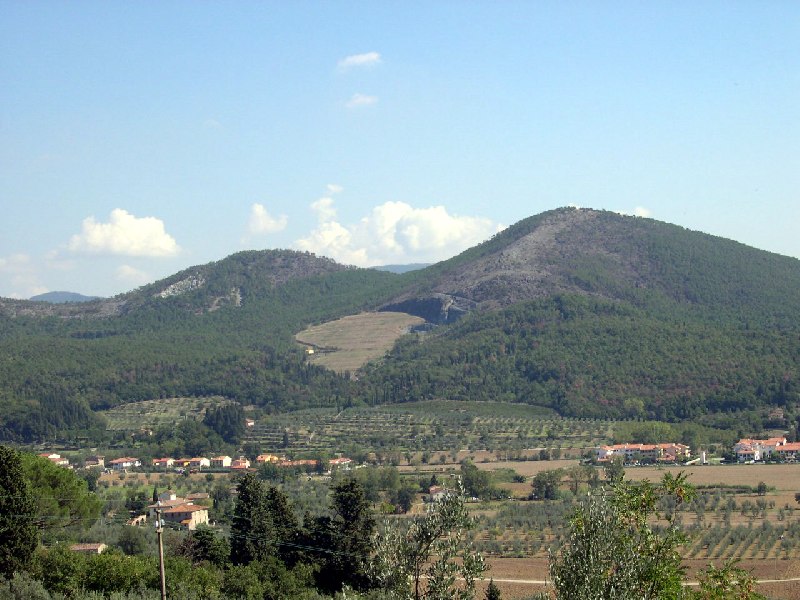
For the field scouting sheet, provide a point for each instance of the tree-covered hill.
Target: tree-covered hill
(219, 329)
(650, 264)
(598, 314)
(587, 312)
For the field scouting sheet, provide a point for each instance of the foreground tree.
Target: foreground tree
(492, 591)
(252, 531)
(18, 534)
(545, 485)
(615, 552)
(63, 500)
(620, 547)
(347, 535)
(727, 582)
(433, 548)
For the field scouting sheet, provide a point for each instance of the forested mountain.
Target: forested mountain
(61, 297)
(588, 312)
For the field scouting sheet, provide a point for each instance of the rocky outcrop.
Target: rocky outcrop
(436, 308)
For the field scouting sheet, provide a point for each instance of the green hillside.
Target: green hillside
(588, 313)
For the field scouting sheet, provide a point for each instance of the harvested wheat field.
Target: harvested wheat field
(349, 343)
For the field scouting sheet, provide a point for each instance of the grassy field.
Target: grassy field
(349, 343)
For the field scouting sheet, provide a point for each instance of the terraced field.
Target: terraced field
(152, 414)
(427, 427)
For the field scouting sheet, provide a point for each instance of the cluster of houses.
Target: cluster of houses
(747, 450)
(776, 448)
(242, 463)
(668, 452)
(180, 464)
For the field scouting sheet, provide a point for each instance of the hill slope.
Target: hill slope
(603, 254)
(586, 312)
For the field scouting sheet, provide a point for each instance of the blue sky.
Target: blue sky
(137, 139)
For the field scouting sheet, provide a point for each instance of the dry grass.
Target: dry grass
(348, 344)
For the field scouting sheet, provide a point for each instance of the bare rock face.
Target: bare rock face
(192, 282)
(437, 308)
(527, 267)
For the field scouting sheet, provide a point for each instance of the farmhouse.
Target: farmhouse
(166, 500)
(56, 459)
(126, 462)
(163, 463)
(240, 464)
(267, 458)
(93, 548)
(221, 462)
(186, 515)
(94, 462)
(437, 493)
(343, 463)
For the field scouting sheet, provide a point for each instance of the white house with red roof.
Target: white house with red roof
(126, 462)
(748, 449)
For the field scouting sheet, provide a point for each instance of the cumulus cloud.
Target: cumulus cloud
(394, 232)
(639, 211)
(368, 59)
(262, 222)
(132, 275)
(334, 188)
(124, 234)
(324, 209)
(361, 101)
(18, 275)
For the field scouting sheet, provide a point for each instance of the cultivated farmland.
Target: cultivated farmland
(349, 343)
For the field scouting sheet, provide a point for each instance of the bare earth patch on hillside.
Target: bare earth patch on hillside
(349, 343)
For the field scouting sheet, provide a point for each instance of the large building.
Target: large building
(752, 450)
(667, 452)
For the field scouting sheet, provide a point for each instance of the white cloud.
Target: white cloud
(334, 188)
(324, 209)
(126, 235)
(639, 211)
(132, 275)
(21, 275)
(368, 59)
(361, 101)
(213, 124)
(262, 222)
(394, 232)
(15, 263)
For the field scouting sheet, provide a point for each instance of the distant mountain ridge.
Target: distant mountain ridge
(589, 313)
(62, 297)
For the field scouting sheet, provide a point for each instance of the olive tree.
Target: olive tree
(614, 551)
(434, 548)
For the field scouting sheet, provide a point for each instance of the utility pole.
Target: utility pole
(159, 531)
